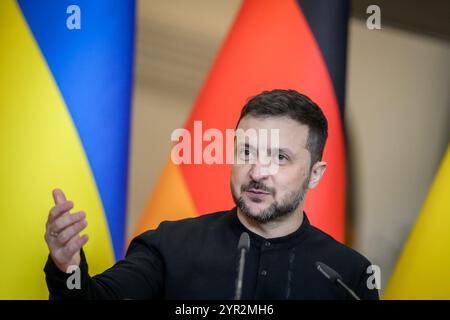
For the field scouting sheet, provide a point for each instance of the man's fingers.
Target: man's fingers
(74, 245)
(58, 196)
(58, 210)
(69, 232)
(59, 224)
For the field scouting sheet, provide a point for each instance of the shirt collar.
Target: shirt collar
(289, 240)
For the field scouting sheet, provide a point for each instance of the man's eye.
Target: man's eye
(282, 158)
(245, 153)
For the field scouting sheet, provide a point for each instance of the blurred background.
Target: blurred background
(92, 110)
(397, 107)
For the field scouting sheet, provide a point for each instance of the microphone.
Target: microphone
(243, 248)
(334, 277)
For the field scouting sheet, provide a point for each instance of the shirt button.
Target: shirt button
(267, 244)
(264, 273)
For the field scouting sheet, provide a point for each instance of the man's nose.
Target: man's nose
(259, 172)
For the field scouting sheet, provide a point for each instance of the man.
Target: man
(197, 258)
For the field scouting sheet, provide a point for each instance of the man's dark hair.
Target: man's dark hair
(292, 104)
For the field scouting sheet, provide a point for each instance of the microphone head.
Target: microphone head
(328, 272)
(244, 241)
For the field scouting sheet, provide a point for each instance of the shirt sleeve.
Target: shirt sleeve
(138, 276)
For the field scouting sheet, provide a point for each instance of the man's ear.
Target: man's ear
(317, 172)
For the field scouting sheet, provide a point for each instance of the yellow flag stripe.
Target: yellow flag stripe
(421, 272)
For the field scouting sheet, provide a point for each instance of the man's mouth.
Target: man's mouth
(258, 192)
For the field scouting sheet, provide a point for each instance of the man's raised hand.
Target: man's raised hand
(63, 232)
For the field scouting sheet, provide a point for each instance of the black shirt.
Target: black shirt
(197, 258)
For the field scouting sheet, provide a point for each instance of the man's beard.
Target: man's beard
(277, 210)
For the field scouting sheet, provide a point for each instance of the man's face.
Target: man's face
(259, 193)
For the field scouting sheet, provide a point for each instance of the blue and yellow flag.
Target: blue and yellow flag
(65, 83)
